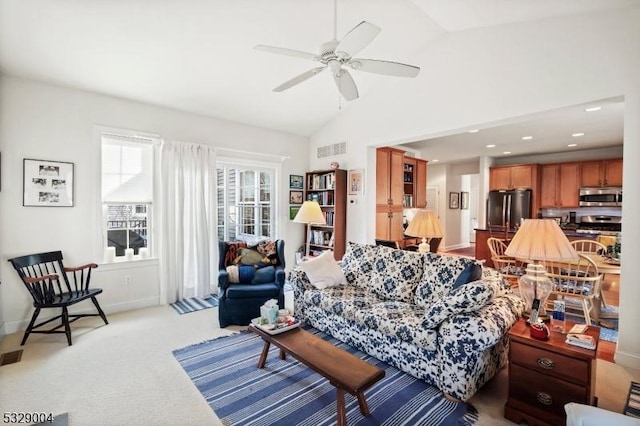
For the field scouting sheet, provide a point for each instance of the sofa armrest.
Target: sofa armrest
(481, 329)
(586, 415)
(280, 277)
(300, 283)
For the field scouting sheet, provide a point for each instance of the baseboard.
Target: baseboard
(627, 359)
(21, 325)
(3, 330)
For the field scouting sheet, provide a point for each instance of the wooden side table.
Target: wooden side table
(544, 375)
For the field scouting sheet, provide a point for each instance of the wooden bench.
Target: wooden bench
(345, 371)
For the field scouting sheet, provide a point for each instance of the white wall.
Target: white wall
(48, 122)
(492, 74)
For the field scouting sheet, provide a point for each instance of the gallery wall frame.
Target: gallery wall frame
(296, 181)
(47, 183)
(464, 200)
(296, 197)
(293, 211)
(454, 200)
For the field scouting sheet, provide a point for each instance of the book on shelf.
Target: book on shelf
(322, 181)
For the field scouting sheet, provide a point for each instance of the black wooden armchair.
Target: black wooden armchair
(46, 278)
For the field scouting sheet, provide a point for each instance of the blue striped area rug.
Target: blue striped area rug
(286, 392)
(194, 304)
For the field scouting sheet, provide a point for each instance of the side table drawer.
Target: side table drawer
(544, 394)
(550, 363)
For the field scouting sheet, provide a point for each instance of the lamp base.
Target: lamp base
(535, 288)
(423, 247)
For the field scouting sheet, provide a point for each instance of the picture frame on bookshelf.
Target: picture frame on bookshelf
(293, 211)
(296, 197)
(464, 200)
(355, 182)
(454, 200)
(296, 181)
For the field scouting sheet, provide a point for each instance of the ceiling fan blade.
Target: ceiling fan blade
(299, 79)
(346, 85)
(286, 52)
(358, 38)
(375, 66)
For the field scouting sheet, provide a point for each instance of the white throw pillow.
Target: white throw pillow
(323, 271)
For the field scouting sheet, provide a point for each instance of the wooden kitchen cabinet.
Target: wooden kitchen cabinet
(389, 193)
(544, 375)
(601, 173)
(401, 182)
(559, 185)
(512, 177)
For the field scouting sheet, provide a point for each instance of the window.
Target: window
(127, 192)
(245, 202)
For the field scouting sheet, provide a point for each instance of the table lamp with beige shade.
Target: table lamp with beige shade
(310, 213)
(426, 225)
(539, 240)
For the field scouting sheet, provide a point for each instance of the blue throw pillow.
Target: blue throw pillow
(469, 274)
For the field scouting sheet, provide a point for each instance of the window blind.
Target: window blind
(127, 169)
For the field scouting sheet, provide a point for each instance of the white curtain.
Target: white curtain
(188, 221)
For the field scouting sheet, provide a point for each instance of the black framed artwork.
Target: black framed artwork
(454, 200)
(464, 200)
(296, 181)
(296, 197)
(47, 183)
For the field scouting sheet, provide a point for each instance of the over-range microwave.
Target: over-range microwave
(601, 197)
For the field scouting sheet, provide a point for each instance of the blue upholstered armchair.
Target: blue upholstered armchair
(239, 302)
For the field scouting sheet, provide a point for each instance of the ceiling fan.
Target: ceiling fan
(338, 57)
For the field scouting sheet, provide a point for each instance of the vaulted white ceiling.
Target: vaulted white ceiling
(197, 55)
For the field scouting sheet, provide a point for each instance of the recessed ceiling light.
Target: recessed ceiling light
(577, 135)
(527, 138)
(474, 131)
(434, 161)
(491, 146)
(507, 152)
(591, 109)
(571, 145)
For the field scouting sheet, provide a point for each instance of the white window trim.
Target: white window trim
(98, 230)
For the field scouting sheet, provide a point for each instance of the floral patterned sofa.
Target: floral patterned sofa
(402, 308)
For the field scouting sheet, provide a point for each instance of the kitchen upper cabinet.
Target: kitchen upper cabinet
(512, 177)
(559, 185)
(601, 173)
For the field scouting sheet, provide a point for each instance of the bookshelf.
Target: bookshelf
(329, 189)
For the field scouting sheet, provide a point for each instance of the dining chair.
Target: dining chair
(510, 267)
(578, 279)
(589, 246)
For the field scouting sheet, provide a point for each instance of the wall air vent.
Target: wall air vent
(335, 149)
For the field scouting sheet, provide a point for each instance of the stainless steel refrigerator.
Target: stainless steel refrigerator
(506, 208)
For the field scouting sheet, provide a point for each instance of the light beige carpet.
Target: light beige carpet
(125, 374)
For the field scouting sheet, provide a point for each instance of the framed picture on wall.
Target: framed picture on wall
(295, 197)
(296, 182)
(293, 211)
(356, 181)
(464, 200)
(47, 183)
(454, 200)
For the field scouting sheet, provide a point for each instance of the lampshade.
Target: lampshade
(539, 240)
(425, 224)
(309, 213)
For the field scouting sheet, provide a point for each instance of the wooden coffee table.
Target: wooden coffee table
(345, 371)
